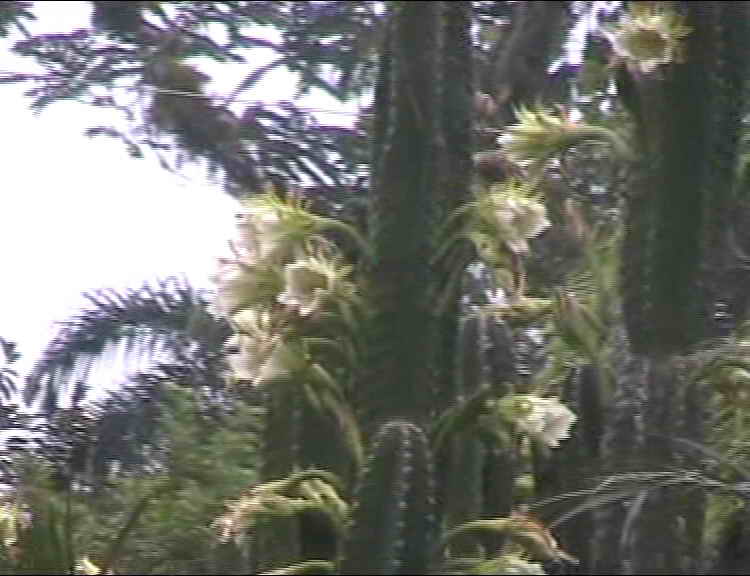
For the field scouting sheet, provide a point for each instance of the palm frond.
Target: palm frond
(131, 419)
(170, 317)
(8, 375)
(619, 487)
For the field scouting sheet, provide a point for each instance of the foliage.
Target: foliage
(141, 523)
(536, 332)
(207, 462)
(8, 375)
(155, 50)
(170, 317)
(12, 14)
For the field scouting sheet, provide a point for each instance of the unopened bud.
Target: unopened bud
(574, 219)
(492, 165)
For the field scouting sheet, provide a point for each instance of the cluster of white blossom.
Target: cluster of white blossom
(256, 352)
(545, 419)
(502, 221)
(505, 217)
(280, 269)
(519, 219)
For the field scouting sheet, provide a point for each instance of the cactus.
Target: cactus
(501, 462)
(456, 342)
(393, 522)
(408, 372)
(278, 541)
(636, 264)
(562, 470)
(418, 363)
(461, 498)
(676, 188)
(656, 534)
(687, 124)
(622, 439)
(403, 224)
(730, 79)
(692, 427)
(734, 551)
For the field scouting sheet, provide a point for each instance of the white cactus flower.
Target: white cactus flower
(86, 566)
(258, 360)
(512, 564)
(532, 218)
(557, 423)
(252, 345)
(240, 285)
(233, 281)
(305, 287)
(252, 321)
(247, 355)
(517, 219)
(259, 232)
(649, 36)
(257, 352)
(545, 419)
(529, 415)
(309, 283)
(506, 211)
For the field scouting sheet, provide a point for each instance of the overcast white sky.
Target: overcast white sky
(78, 214)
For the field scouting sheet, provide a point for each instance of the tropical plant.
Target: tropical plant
(8, 375)
(153, 518)
(168, 322)
(281, 321)
(521, 339)
(401, 377)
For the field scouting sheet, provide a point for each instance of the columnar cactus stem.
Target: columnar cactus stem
(404, 211)
(688, 118)
(394, 526)
(622, 440)
(500, 465)
(277, 542)
(462, 497)
(656, 536)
